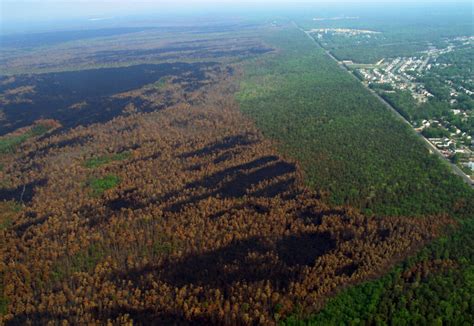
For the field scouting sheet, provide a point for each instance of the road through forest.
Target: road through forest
(428, 144)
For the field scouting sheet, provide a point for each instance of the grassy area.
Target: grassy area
(348, 144)
(100, 185)
(10, 143)
(161, 83)
(83, 261)
(361, 66)
(95, 162)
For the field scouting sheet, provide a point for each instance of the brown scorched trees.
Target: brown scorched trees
(205, 223)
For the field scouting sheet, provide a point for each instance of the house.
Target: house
(470, 165)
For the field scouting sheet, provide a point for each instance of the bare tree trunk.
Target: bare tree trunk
(22, 193)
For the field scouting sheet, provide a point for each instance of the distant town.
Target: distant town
(342, 31)
(401, 72)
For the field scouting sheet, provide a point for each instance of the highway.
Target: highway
(428, 144)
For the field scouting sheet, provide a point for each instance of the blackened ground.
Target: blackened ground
(55, 93)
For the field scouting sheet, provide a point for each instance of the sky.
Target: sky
(19, 13)
(48, 9)
(37, 9)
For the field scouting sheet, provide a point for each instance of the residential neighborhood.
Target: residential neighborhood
(403, 74)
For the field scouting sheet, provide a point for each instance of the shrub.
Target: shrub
(100, 185)
(106, 159)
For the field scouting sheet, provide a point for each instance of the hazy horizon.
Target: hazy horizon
(29, 11)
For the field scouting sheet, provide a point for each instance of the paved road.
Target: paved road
(420, 69)
(428, 144)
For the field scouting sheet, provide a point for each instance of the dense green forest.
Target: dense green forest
(411, 110)
(350, 147)
(456, 66)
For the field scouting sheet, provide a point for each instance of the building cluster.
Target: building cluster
(455, 143)
(336, 18)
(320, 32)
(402, 74)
